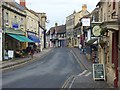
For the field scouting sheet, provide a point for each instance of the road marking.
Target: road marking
(66, 82)
(82, 73)
(72, 82)
(88, 74)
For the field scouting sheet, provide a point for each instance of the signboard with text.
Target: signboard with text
(86, 22)
(15, 25)
(98, 72)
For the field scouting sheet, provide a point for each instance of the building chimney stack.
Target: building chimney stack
(84, 7)
(23, 3)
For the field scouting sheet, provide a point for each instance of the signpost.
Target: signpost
(98, 72)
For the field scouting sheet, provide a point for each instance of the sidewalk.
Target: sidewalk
(85, 79)
(17, 61)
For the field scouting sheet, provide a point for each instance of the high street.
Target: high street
(50, 72)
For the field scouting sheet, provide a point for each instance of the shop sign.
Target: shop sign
(86, 22)
(98, 72)
(15, 25)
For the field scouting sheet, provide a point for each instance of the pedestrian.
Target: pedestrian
(80, 48)
(31, 52)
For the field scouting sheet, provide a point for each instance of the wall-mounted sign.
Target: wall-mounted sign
(15, 25)
(96, 31)
(86, 22)
(98, 72)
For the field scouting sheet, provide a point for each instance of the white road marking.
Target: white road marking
(72, 82)
(82, 73)
(88, 74)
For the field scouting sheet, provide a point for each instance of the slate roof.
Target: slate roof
(59, 29)
(16, 5)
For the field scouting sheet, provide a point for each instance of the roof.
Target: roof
(59, 29)
(78, 25)
(16, 5)
(33, 12)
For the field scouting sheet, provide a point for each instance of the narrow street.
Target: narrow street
(50, 72)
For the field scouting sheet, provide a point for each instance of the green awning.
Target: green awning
(90, 42)
(20, 38)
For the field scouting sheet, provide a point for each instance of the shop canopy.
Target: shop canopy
(20, 38)
(34, 38)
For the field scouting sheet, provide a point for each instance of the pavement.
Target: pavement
(8, 64)
(85, 79)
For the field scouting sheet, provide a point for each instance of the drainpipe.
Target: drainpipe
(44, 38)
(1, 30)
(3, 35)
(105, 60)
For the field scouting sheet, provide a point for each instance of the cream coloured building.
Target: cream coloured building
(71, 22)
(108, 48)
(32, 21)
(42, 29)
(14, 23)
(14, 28)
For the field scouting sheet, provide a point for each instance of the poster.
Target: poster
(10, 54)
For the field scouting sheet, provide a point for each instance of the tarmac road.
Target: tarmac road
(50, 72)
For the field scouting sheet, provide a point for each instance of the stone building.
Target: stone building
(58, 36)
(108, 48)
(14, 27)
(32, 25)
(71, 22)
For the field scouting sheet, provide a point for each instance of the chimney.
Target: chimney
(23, 3)
(84, 7)
(56, 24)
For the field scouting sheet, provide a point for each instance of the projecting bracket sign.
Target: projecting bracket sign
(98, 72)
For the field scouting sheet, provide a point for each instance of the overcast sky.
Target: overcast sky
(58, 10)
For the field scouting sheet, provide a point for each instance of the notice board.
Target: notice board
(98, 72)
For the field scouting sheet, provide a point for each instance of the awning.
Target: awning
(34, 38)
(20, 38)
(90, 42)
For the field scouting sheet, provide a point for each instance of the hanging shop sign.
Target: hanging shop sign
(86, 22)
(96, 31)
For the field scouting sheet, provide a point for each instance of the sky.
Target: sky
(58, 10)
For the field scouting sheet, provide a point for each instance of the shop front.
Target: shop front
(15, 40)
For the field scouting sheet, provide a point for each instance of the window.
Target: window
(114, 4)
(15, 19)
(21, 23)
(7, 17)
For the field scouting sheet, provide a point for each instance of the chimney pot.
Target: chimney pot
(23, 3)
